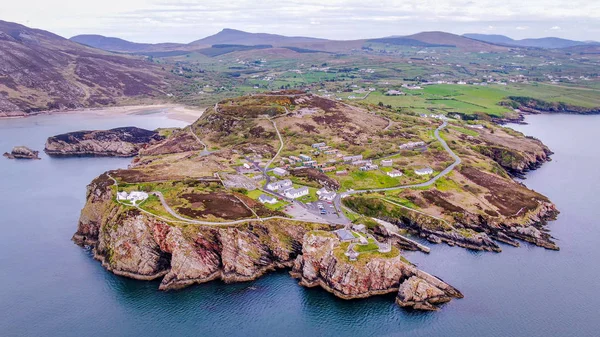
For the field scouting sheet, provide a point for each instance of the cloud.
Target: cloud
(555, 28)
(186, 20)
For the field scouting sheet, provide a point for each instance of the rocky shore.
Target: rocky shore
(133, 244)
(323, 264)
(22, 152)
(119, 142)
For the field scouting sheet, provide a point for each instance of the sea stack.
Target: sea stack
(22, 152)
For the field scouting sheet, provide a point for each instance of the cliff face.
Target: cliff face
(513, 161)
(322, 263)
(132, 243)
(119, 142)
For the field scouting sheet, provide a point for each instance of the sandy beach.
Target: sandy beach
(172, 111)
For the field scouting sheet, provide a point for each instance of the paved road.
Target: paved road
(276, 154)
(430, 182)
(213, 223)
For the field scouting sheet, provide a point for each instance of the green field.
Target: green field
(360, 180)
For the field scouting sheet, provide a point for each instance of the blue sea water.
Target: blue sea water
(51, 287)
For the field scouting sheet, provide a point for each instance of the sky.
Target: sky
(184, 21)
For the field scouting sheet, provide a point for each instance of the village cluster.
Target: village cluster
(285, 187)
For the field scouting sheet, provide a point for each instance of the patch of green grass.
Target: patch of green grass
(402, 201)
(371, 246)
(362, 180)
(465, 131)
(444, 184)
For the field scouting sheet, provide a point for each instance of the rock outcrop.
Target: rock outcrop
(119, 142)
(131, 243)
(323, 264)
(532, 105)
(22, 152)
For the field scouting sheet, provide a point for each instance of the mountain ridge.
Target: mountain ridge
(41, 71)
(544, 42)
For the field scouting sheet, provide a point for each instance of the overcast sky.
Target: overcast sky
(188, 20)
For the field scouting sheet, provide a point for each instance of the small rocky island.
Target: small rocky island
(295, 181)
(118, 142)
(22, 152)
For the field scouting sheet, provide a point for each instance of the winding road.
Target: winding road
(337, 200)
(214, 223)
(436, 133)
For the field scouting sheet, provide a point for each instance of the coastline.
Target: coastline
(172, 111)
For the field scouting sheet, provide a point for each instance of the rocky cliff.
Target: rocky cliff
(119, 142)
(22, 152)
(132, 243)
(323, 263)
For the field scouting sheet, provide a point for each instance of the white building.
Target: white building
(475, 126)
(294, 193)
(277, 185)
(278, 171)
(394, 174)
(369, 167)
(267, 199)
(424, 171)
(411, 145)
(353, 158)
(326, 195)
(387, 163)
(133, 196)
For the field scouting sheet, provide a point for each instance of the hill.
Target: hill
(238, 37)
(546, 42)
(491, 38)
(42, 71)
(460, 42)
(120, 45)
(403, 41)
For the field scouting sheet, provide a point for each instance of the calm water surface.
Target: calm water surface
(51, 287)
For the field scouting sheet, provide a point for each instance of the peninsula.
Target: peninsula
(330, 190)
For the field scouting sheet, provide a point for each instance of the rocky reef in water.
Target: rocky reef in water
(22, 152)
(323, 263)
(118, 142)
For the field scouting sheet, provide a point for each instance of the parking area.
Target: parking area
(325, 210)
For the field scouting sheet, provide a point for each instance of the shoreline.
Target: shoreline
(171, 111)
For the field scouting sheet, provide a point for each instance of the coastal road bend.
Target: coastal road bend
(446, 171)
(214, 223)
